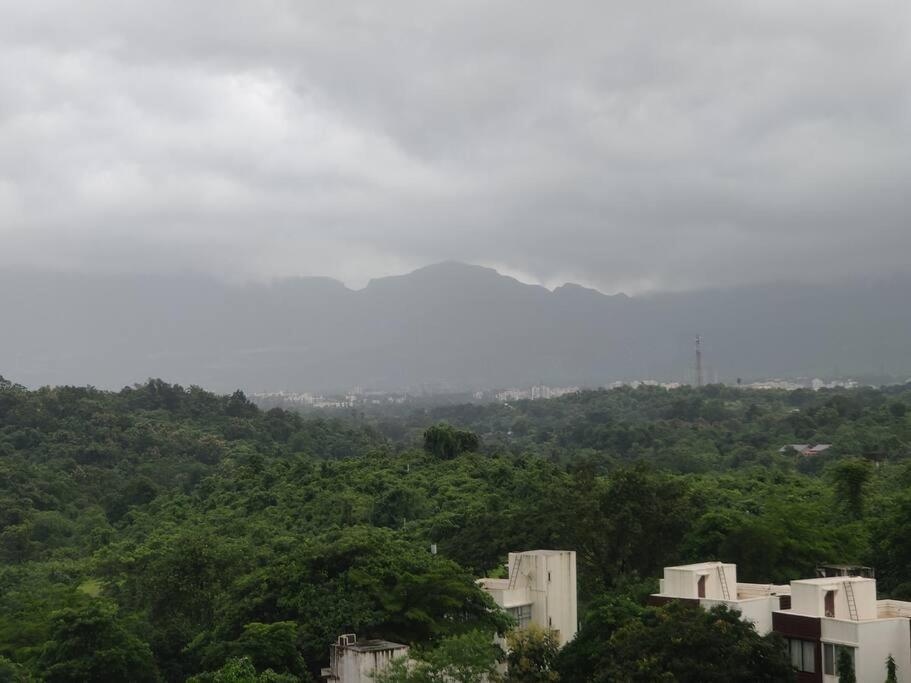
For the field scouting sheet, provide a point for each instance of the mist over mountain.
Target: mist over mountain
(448, 326)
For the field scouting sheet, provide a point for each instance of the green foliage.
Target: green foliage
(531, 655)
(588, 653)
(891, 669)
(10, 672)
(467, 658)
(851, 478)
(221, 531)
(241, 670)
(90, 644)
(275, 647)
(446, 442)
(845, 667)
(690, 645)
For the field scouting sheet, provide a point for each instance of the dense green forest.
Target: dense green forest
(164, 533)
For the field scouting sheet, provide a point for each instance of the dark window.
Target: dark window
(522, 615)
(830, 655)
(830, 603)
(701, 587)
(803, 654)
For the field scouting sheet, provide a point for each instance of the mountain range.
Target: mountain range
(448, 326)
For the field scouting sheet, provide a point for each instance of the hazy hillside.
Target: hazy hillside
(448, 326)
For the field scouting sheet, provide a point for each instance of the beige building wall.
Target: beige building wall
(544, 581)
(683, 581)
(351, 661)
(808, 596)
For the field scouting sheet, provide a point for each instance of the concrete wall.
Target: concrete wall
(683, 582)
(874, 642)
(808, 597)
(519, 594)
(755, 610)
(879, 639)
(355, 666)
(548, 579)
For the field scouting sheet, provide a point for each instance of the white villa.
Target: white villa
(819, 617)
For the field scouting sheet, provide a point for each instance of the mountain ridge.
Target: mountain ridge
(452, 326)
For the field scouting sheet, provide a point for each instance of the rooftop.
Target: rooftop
(746, 591)
(890, 609)
(373, 646)
(700, 565)
(829, 580)
(494, 584)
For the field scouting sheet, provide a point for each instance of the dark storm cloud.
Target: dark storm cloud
(625, 145)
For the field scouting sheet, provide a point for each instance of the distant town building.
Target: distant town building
(534, 393)
(818, 617)
(351, 661)
(802, 383)
(636, 383)
(540, 589)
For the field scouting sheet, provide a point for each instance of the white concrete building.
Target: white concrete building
(351, 661)
(842, 612)
(715, 583)
(540, 589)
(818, 618)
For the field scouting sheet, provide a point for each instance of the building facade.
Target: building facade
(540, 589)
(819, 618)
(351, 661)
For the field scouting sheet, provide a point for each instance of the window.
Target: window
(803, 654)
(522, 615)
(830, 655)
(830, 603)
(700, 588)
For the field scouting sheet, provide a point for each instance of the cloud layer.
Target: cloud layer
(629, 146)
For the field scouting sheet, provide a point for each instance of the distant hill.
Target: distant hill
(448, 327)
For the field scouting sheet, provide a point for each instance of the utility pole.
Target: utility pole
(698, 361)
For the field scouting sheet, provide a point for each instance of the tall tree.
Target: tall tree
(90, 644)
(683, 644)
(851, 478)
(446, 442)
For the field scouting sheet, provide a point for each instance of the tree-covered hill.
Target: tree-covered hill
(178, 530)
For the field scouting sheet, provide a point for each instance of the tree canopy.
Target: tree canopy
(197, 535)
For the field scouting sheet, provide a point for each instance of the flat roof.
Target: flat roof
(829, 580)
(702, 565)
(374, 646)
(494, 584)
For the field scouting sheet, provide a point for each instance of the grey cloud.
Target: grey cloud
(646, 145)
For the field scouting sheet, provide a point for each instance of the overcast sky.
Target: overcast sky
(626, 145)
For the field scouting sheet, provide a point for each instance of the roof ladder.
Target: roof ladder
(852, 603)
(514, 571)
(725, 593)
